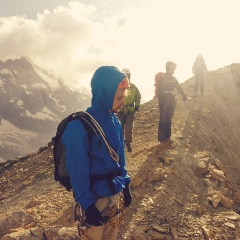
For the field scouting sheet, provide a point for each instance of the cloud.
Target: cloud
(53, 39)
(75, 39)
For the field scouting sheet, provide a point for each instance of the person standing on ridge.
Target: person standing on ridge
(127, 113)
(166, 99)
(199, 68)
(97, 179)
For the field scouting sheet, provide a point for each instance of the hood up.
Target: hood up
(104, 84)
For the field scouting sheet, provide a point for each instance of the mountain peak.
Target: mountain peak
(34, 102)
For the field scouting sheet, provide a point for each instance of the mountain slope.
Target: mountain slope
(190, 192)
(33, 100)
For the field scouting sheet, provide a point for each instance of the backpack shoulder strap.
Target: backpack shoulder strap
(62, 125)
(97, 129)
(86, 123)
(92, 127)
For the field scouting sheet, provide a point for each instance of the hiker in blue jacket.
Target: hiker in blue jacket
(96, 178)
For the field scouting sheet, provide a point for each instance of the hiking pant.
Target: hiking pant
(165, 121)
(199, 80)
(109, 229)
(127, 125)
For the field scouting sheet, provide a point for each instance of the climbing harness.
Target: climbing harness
(108, 213)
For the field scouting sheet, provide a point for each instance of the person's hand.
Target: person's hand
(136, 109)
(184, 98)
(127, 196)
(93, 216)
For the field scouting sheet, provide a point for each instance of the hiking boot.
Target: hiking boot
(168, 140)
(162, 145)
(171, 146)
(129, 147)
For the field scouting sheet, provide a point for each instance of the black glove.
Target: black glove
(184, 98)
(93, 216)
(136, 109)
(127, 196)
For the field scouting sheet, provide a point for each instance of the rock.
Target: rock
(26, 234)
(156, 235)
(220, 165)
(33, 202)
(164, 159)
(156, 175)
(137, 181)
(147, 228)
(174, 233)
(206, 232)
(30, 225)
(215, 199)
(208, 183)
(231, 215)
(201, 166)
(62, 233)
(138, 235)
(230, 225)
(179, 202)
(15, 220)
(150, 201)
(217, 174)
(159, 229)
(226, 202)
(137, 194)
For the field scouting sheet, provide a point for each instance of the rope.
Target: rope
(112, 153)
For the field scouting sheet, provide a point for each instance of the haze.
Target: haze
(74, 38)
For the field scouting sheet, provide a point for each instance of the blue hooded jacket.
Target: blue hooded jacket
(86, 158)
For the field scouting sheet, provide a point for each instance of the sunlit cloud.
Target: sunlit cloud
(75, 39)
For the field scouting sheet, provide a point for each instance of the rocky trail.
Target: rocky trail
(189, 192)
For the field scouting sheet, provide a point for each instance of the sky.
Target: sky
(73, 38)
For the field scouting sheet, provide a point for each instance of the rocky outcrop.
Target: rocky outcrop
(22, 226)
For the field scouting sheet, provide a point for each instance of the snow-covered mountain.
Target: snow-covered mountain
(32, 103)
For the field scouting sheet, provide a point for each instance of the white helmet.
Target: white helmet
(126, 71)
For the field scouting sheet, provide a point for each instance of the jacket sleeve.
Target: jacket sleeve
(122, 158)
(76, 144)
(122, 163)
(179, 88)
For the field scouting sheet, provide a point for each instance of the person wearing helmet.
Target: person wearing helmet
(96, 178)
(199, 68)
(166, 86)
(127, 112)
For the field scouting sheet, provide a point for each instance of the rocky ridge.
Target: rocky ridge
(190, 192)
